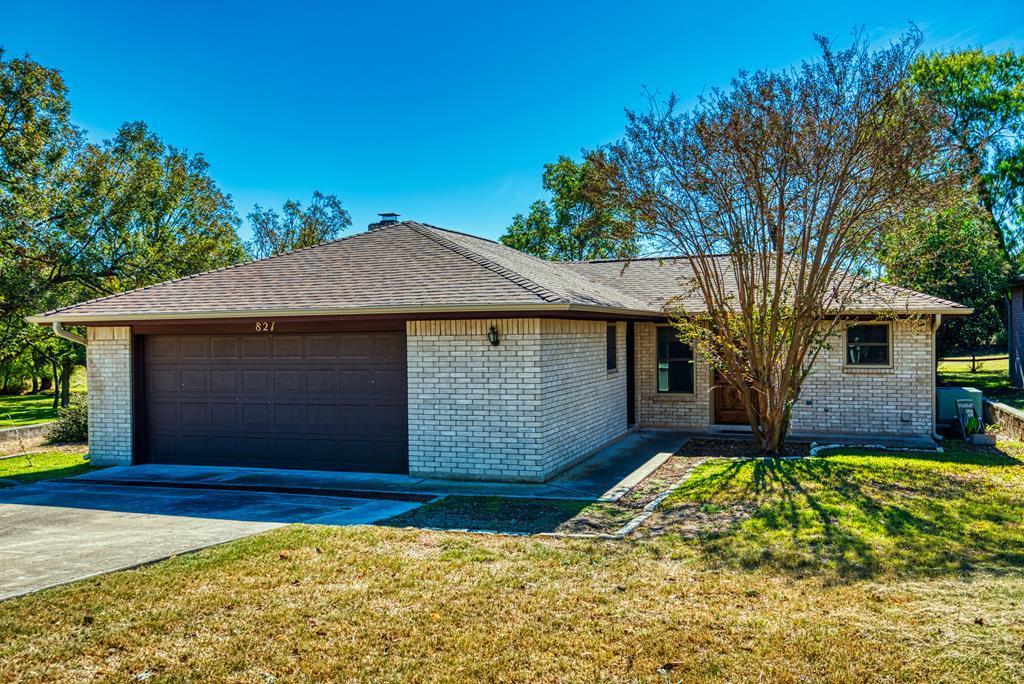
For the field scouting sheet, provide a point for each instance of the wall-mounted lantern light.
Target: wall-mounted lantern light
(492, 335)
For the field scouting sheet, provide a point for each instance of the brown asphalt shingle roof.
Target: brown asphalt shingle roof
(406, 267)
(657, 280)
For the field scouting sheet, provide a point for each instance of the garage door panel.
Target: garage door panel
(163, 413)
(194, 413)
(195, 380)
(322, 380)
(322, 416)
(162, 348)
(256, 380)
(256, 347)
(390, 418)
(356, 418)
(289, 381)
(288, 346)
(389, 382)
(194, 347)
(288, 415)
(325, 401)
(163, 380)
(224, 347)
(389, 348)
(224, 414)
(321, 346)
(355, 382)
(354, 346)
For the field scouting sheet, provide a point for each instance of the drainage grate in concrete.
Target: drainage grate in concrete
(409, 497)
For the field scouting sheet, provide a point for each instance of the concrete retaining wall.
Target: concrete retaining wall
(24, 432)
(1009, 419)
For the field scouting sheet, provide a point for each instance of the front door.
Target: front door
(728, 404)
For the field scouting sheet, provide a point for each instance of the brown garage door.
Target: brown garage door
(325, 401)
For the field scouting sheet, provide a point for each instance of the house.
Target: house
(1015, 330)
(410, 348)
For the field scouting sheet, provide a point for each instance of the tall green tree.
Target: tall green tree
(983, 96)
(953, 253)
(579, 222)
(295, 226)
(82, 219)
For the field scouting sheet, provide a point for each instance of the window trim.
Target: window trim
(846, 346)
(693, 369)
(611, 347)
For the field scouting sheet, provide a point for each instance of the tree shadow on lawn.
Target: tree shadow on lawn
(859, 518)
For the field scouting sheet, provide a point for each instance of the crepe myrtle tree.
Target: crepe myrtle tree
(778, 191)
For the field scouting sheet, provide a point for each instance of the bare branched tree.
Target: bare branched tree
(778, 191)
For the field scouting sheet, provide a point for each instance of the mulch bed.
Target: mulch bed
(736, 448)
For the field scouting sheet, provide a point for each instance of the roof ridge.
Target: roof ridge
(507, 273)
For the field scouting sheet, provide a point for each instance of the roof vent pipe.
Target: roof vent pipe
(59, 331)
(387, 218)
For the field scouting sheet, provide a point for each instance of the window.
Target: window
(675, 362)
(611, 351)
(867, 345)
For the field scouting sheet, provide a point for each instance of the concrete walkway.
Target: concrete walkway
(61, 531)
(605, 476)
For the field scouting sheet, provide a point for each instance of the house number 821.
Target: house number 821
(264, 326)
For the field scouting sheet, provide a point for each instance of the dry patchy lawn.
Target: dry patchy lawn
(384, 604)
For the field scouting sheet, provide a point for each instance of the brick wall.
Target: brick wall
(523, 410)
(678, 411)
(109, 377)
(889, 401)
(835, 399)
(584, 404)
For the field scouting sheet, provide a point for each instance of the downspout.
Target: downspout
(60, 331)
(935, 374)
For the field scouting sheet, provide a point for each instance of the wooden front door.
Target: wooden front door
(728, 404)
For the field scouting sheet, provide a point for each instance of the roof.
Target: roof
(410, 267)
(399, 268)
(656, 280)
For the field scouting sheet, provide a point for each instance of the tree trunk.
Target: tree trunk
(45, 383)
(974, 360)
(35, 383)
(67, 368)
(56, 381)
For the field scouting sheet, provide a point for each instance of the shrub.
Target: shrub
(72, 424)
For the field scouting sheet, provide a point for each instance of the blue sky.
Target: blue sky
(444, 112)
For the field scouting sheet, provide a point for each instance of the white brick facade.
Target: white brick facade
(523, 410)
(676, 411)
(835, 399)
(109, 377)
(898, 400)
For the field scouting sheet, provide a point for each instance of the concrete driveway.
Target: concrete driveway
(57, 532)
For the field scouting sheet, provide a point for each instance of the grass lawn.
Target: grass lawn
(48, 465)
(850, 568)
(992, 378)
(26, 409)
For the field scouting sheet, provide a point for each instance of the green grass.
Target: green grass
(43, 466)
(858, 514)
(849, 568)
(991, 377)
(26, 409)
(29, 409)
